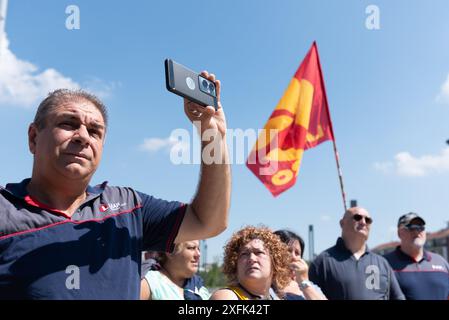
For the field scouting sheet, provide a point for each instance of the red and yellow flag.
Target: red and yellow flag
(300, 121)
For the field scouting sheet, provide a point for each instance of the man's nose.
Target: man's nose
(81, 135)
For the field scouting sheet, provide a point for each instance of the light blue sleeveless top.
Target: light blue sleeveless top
(162, 288)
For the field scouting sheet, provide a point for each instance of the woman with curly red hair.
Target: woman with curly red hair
(255, 259)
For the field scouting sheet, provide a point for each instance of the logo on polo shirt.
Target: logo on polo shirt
(437, 267)
(111, 206)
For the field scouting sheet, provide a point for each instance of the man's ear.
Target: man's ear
(32, 134)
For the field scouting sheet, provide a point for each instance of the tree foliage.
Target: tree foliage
(214, 277)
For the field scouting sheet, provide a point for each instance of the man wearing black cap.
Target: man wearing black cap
(422, 275)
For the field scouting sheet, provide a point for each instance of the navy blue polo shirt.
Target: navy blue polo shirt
(427, 279)
(342, 277)
(94, 254)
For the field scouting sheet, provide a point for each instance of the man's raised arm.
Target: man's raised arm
(207, 215)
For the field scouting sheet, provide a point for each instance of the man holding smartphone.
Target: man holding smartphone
(61, 238)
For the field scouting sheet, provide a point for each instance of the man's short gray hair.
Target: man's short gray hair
(61, 96)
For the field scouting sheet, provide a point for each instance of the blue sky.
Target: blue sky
(388, 91)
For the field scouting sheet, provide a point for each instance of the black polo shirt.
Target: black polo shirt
(341, 276)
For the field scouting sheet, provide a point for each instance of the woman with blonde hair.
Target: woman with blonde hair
(173, 276)
(255, 259)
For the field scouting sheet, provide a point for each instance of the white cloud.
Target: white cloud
(325, 218)
(443, 96)
(22, 84)
(153, 145)
(406, 164)
(99, 87)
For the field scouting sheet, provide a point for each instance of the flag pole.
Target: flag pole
(340, 174)
(337, 157)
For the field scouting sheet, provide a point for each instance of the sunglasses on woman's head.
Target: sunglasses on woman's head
(357, 217)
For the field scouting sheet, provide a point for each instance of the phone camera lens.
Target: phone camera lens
(211, 88)
(204, 83)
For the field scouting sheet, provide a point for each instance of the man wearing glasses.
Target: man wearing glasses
(348, 270)
(422, 275)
